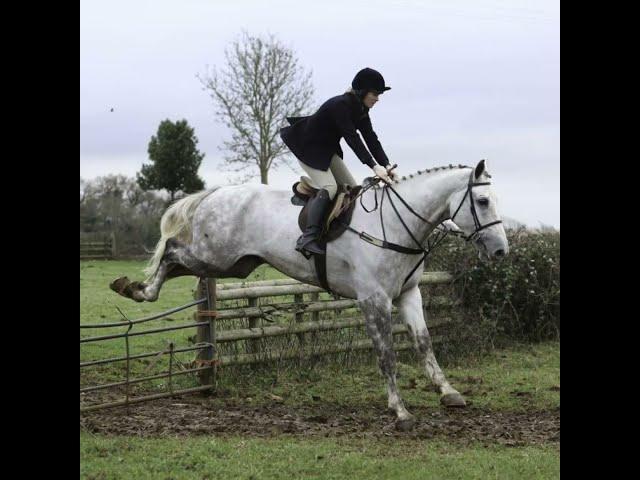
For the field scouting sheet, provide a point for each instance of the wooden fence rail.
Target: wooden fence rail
(105, 249)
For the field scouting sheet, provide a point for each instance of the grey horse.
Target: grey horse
(227, 231)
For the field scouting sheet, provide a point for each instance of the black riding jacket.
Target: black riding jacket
(316, 138)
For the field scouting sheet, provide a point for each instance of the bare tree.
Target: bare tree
(262, 83)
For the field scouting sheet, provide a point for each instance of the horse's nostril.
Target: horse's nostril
(499, 253)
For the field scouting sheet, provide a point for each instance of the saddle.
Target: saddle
(341, 209)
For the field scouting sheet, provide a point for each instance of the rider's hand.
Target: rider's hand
(381, 172)
(392, 174)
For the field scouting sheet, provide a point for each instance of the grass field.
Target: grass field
(286, 458)
(519, 382)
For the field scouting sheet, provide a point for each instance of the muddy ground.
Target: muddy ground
(194, 415)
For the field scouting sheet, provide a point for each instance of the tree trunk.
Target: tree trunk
(264, 175)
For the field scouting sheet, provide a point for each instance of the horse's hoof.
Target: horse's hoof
(138, 285)
(119, 285)
(453, 400)
(135, 291)
(405, 425)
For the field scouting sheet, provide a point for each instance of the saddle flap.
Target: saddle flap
(341, 208)
(336, 209)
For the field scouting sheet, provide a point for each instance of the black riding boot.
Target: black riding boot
(317, 205)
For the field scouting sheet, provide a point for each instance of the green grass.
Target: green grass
(519, 378)
(331, 458)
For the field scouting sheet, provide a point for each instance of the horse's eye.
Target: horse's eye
(483, 201)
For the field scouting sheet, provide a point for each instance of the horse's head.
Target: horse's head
(474, 210)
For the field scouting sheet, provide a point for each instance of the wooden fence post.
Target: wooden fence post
(113, 245)
(253, 346)
(315, 316)
(206, 333)
(299, 317)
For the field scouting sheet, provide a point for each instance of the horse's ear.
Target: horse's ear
(480, 168)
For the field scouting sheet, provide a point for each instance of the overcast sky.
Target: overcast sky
(470, 80)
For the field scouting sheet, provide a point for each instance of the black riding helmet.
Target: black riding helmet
(367, 80)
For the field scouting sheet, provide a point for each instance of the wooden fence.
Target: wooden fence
(257, 321)
(98, 249)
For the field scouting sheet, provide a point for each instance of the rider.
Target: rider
(315, 141)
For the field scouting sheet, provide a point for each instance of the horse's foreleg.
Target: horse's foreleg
(377, 314)
(412, 314)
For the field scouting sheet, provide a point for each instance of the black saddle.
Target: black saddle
(341, 209)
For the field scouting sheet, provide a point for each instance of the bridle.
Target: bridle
(440, 236)
(474, 214)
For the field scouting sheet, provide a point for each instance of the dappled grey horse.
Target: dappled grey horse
(228, 231)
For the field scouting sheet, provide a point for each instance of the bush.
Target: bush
(517, 297)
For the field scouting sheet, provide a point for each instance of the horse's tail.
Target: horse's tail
(176, 223)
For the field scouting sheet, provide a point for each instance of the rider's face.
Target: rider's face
(370, 99)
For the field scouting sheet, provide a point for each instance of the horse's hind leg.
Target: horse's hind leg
(150, 292)
(411, 312)
(176, 261)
